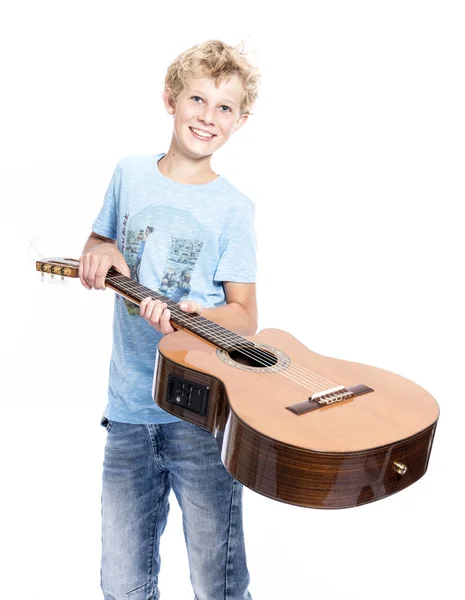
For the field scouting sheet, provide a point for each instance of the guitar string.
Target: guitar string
(308, 377)
(294, 369)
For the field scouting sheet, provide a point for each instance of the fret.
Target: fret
(208, 330)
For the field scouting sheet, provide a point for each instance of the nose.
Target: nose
(207, 116)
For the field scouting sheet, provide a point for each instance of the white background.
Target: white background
(354, 158)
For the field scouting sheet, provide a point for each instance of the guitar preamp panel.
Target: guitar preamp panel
(192, 396)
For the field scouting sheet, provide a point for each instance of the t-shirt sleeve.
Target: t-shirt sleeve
(106, 223)
(238, 260)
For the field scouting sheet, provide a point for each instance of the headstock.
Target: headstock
(65, 267)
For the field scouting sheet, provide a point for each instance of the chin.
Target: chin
(194, 151)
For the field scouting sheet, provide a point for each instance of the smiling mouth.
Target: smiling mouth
(198, 133)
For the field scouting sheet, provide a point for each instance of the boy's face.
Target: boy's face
(205, 116)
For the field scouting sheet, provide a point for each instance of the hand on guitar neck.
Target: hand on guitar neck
(158, 314)
(98, 256)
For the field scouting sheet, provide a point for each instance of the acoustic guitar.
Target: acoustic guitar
(293, 425)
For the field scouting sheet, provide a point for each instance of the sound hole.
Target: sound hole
(253, 357)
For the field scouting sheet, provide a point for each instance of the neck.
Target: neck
(208, 330)
(181, 168)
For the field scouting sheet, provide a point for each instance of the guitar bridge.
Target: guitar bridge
(327, 397)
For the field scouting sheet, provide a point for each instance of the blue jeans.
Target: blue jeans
(142, 464)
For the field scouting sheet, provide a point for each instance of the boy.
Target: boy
(201, 253)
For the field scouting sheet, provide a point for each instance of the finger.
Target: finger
(89, 272)
(156, 309)
(190, 306)
(93, 263)
(146, 307)
(153, 311)
(83, 269)
(165, 325)
(122, 268)
(101, 272)
(143, 305)
(90, 264)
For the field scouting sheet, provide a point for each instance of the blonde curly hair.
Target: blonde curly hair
(219, 61)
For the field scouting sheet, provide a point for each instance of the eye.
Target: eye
(196, 98)
(226, 107)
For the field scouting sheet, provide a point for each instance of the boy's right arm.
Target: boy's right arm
(99, 255)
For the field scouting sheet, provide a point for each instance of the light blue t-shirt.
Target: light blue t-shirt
(179, 240)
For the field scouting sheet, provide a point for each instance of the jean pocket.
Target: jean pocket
(104, 422)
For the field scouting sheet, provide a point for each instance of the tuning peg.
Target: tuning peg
(56, 280)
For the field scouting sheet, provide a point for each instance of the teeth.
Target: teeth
(202, 133)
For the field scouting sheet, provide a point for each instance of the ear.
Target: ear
(169, 101)
(240, 122)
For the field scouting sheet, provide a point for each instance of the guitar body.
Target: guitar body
(337, 456)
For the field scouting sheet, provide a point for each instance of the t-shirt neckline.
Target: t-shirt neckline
(159, 174)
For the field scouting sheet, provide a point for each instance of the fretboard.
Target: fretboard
(204, 328)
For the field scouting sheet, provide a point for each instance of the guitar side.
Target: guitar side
(320, 479)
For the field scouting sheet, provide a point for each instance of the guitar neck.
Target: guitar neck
(196, 324)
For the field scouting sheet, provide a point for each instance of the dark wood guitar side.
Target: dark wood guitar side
(296, 426)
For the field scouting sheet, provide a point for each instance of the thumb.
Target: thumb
(190, 306)
(123, 268)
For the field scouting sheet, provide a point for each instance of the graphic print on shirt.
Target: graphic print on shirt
(158, 255)
(182, 256)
